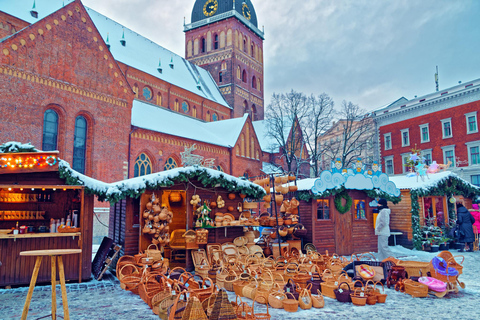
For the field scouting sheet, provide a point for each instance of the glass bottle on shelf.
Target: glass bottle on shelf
(15, 231)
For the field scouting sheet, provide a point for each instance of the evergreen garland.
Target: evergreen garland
(375, 193)
(338, 202)
(451, 185)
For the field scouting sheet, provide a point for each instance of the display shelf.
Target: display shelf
(21, 215)
(39, 235)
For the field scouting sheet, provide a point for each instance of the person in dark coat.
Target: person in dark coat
(465, 224)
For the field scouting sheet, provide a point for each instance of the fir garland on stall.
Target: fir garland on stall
(451, 185)
(338, 201)
(375, 193)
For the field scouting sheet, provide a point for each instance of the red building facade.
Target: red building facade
(443, 125)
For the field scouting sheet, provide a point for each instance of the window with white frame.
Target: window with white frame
(471, 119)
(476, 180)
(424, 133)
(405, 158)
(449, 154)
(405, 137)
(427, 154)
(446, 128)
(388, 141)
(389, 169)
(473, 148)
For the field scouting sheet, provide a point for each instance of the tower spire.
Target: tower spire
(436, 79)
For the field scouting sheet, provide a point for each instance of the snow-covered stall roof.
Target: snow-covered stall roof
(151, 117)
(134, 187)
(139, 52)
(412, 183)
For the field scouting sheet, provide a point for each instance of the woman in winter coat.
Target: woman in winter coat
(475, 212)
(382, 230)
(465, 222)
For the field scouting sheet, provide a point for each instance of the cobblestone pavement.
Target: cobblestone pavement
(106, 300)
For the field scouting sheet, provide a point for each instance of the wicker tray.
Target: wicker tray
(415, 289)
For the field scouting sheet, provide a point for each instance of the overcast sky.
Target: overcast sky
(369, 52)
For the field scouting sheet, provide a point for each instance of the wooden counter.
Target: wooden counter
(39, 235)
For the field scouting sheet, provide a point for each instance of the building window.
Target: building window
(176, 105)
(214, 116)
(476, 180)
(239, 73)
(79, 144)
(405, 137)
(170, 164)
(405, 158)
(159, 99)
(427, 154)
(389, 169)
(388, 141)
(254, 82)
(220, 77)
(202, 45)
(224, 66)
(147, 93)
(471, 122)
(244, 44)
(244, 76)
(143, 165)
(473, 152)
(50, 130)
(135, 90)
(194, 111)
(185, 107)
(323, 209)
(215, 42)
(242, 145)
(424, 133)
(208, 117)
(251, 50)
(360, 209)
(446, 128)
(449, 154)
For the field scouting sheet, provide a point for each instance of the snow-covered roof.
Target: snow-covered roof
(223, 133)
(209, 177)
(73, 177)
(139, 52)
(267, 142)
(412, 183)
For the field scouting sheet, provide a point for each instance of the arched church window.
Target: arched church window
(79, 144)
(215, 42)
(170, 164)
(143, 165)
(50, 130)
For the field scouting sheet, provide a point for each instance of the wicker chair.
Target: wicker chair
(177, 245)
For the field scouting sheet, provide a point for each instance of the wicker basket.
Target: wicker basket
(260, 315)
(250, 290)
(150, 287)
(342, 294)
(381, 296)
(229, 279)
(317, 300)
(358, 297)
(202, 236)
(290, 304)
(415, 289)
(305, 300)
(275, 299)
(190, 239)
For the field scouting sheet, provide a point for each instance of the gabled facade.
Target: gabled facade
(443, 125)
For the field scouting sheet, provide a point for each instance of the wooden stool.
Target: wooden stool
(53, 255)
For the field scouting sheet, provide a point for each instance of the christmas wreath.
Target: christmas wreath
(338, 202)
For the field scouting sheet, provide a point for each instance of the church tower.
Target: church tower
(223, 38)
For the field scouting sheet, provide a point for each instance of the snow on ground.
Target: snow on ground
(105, 300)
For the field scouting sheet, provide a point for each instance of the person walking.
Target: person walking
(465, 224)
(475, 212)
(382, 230)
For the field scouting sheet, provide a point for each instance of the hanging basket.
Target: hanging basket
(190, 239)
(175, 197)
(250, 205)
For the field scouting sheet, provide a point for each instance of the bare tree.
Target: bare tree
(356, 132)
(283, 116)
(315, 123)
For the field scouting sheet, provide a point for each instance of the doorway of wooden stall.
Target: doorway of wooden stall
(343, 231)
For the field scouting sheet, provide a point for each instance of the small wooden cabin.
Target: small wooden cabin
(126, 221)
(434, 204)
(34, 188)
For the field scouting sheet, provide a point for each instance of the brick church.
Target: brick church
(117, 105)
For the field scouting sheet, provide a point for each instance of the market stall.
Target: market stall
(43, 205)
(428, 201)
(164, 208)
(339, 208)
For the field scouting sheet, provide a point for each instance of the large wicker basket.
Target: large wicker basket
(416, 289)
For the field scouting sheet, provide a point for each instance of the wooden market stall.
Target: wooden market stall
(341, 216)
(430, 201)
(174, 190)
(32, 193)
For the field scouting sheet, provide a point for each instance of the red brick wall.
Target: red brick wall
(49, 65)
(236, 92)
(459, 131)
(9, 25)
(138, 80)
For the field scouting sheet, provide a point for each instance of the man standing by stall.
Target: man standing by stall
(382, 230)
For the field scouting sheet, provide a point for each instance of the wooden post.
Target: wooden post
(54, 282)
(61, 272)
(38, 262)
